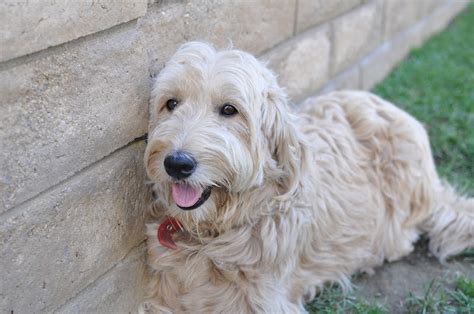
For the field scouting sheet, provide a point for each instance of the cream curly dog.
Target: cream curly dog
(260, 206)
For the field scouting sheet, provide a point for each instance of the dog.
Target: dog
(258, 206)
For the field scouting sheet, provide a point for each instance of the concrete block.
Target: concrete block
(441, 17)
(302, 64)
(355, 34)
(64, 110)
(347, 80)
(313, 12)
(376, 66)
(120, 290)
(29, 26)
(400, 15)
(428, 6)
(57, 244)
(253, 26)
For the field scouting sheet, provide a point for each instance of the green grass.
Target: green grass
(466, 286)
(436, 85)
(441, 299)
(332, 300)
(437, 298)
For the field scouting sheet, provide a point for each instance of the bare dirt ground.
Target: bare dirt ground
(391, 282)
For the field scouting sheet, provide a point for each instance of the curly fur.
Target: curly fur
(298, 199)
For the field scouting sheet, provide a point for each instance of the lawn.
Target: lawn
(436, 85)
(438, 297)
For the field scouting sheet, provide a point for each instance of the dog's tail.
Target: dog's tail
(450, 226)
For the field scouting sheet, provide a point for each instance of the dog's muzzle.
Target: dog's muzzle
(180, 165)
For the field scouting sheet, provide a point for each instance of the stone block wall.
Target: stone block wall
(74, 83)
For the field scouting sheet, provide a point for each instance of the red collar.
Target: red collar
(165, 232)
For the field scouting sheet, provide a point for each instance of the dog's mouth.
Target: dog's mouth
(188, 197)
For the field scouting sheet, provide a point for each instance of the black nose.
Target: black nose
(180, 165)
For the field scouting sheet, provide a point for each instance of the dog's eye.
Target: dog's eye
(171, 104)
(228, 110)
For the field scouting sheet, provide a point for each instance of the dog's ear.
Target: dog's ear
(282, 137)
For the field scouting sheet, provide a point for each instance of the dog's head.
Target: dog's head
(219, 129)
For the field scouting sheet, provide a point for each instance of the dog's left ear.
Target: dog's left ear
(283, 138)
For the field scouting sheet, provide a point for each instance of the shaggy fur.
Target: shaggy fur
(298, 199)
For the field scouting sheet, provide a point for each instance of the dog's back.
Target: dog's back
(374, 144)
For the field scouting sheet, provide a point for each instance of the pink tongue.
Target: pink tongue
(184, 195)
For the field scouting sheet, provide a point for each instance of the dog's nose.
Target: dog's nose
(180, 165)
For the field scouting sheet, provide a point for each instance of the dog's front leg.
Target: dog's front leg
(254, 291)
